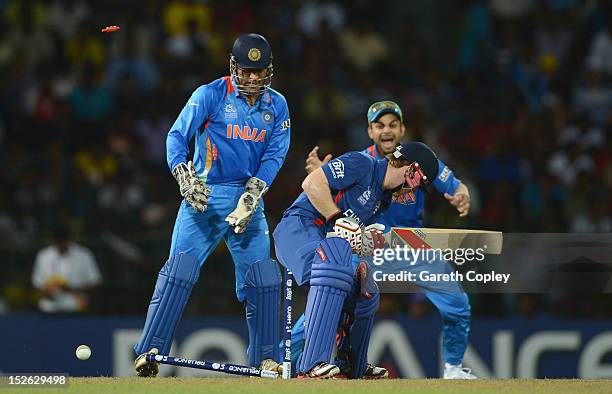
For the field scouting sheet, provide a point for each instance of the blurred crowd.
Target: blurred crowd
(515, 96)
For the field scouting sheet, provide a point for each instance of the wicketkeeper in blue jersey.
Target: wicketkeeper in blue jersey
(386, 128)
(322, 235)
(241, 129)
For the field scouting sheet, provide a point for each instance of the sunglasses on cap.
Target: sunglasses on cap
(380, 108)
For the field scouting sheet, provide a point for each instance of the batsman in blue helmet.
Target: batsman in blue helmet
(325, 231)
(386, 129)
(241, 129)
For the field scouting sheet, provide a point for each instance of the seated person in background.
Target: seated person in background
(64, 272)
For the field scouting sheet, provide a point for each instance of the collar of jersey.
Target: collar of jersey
(374, 149)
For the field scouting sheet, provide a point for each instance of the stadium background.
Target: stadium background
(514, 96)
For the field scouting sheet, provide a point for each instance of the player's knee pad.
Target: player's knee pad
(263, 293)
(332, 265)
(331, 278)
(172, 290)
(182, 268)
(263, 274)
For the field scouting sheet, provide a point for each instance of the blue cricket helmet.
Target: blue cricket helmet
(251, 52)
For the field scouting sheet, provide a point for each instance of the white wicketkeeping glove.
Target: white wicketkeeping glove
(247, 204)
(192, 188)
(372, 239)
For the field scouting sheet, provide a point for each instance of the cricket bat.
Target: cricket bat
(491, 242)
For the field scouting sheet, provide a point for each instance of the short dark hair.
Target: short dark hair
(60, 231)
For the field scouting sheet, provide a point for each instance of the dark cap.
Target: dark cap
(252, 51)
(415, 151)
(380, 108)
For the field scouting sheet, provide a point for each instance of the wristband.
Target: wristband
(332, 219)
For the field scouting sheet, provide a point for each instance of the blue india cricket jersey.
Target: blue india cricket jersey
(233, 141)
(411, 215)
(356, 183)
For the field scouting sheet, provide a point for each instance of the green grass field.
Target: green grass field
(266, 386)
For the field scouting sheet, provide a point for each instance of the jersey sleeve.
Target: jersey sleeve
(446, 182)
(194, 114)
(347, 169)
(278, 145)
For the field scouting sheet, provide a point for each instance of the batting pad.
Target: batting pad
(360, 332)
(263, 294)
(331, 279)
(170, 296)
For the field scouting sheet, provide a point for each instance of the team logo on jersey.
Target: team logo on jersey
(337, 168)
(444, 174)
(230, 111)
(286, 125)
(267, 116)
(365, 196)
(254, 54)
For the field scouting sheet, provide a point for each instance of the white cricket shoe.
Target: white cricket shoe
(457, 372)
(322, 370)
(374, 372)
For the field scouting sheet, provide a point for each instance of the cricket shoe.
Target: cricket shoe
(270, 365)
(374, 372)
(146, 368)
(322, 370)
(371, 372)
(458, 372)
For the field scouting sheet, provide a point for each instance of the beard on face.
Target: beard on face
(249, 85)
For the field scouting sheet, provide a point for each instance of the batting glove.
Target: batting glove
(348, 229)
(372, 239)
(240, 217)
(192, 188)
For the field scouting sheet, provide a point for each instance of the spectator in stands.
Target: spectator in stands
(64, 273)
